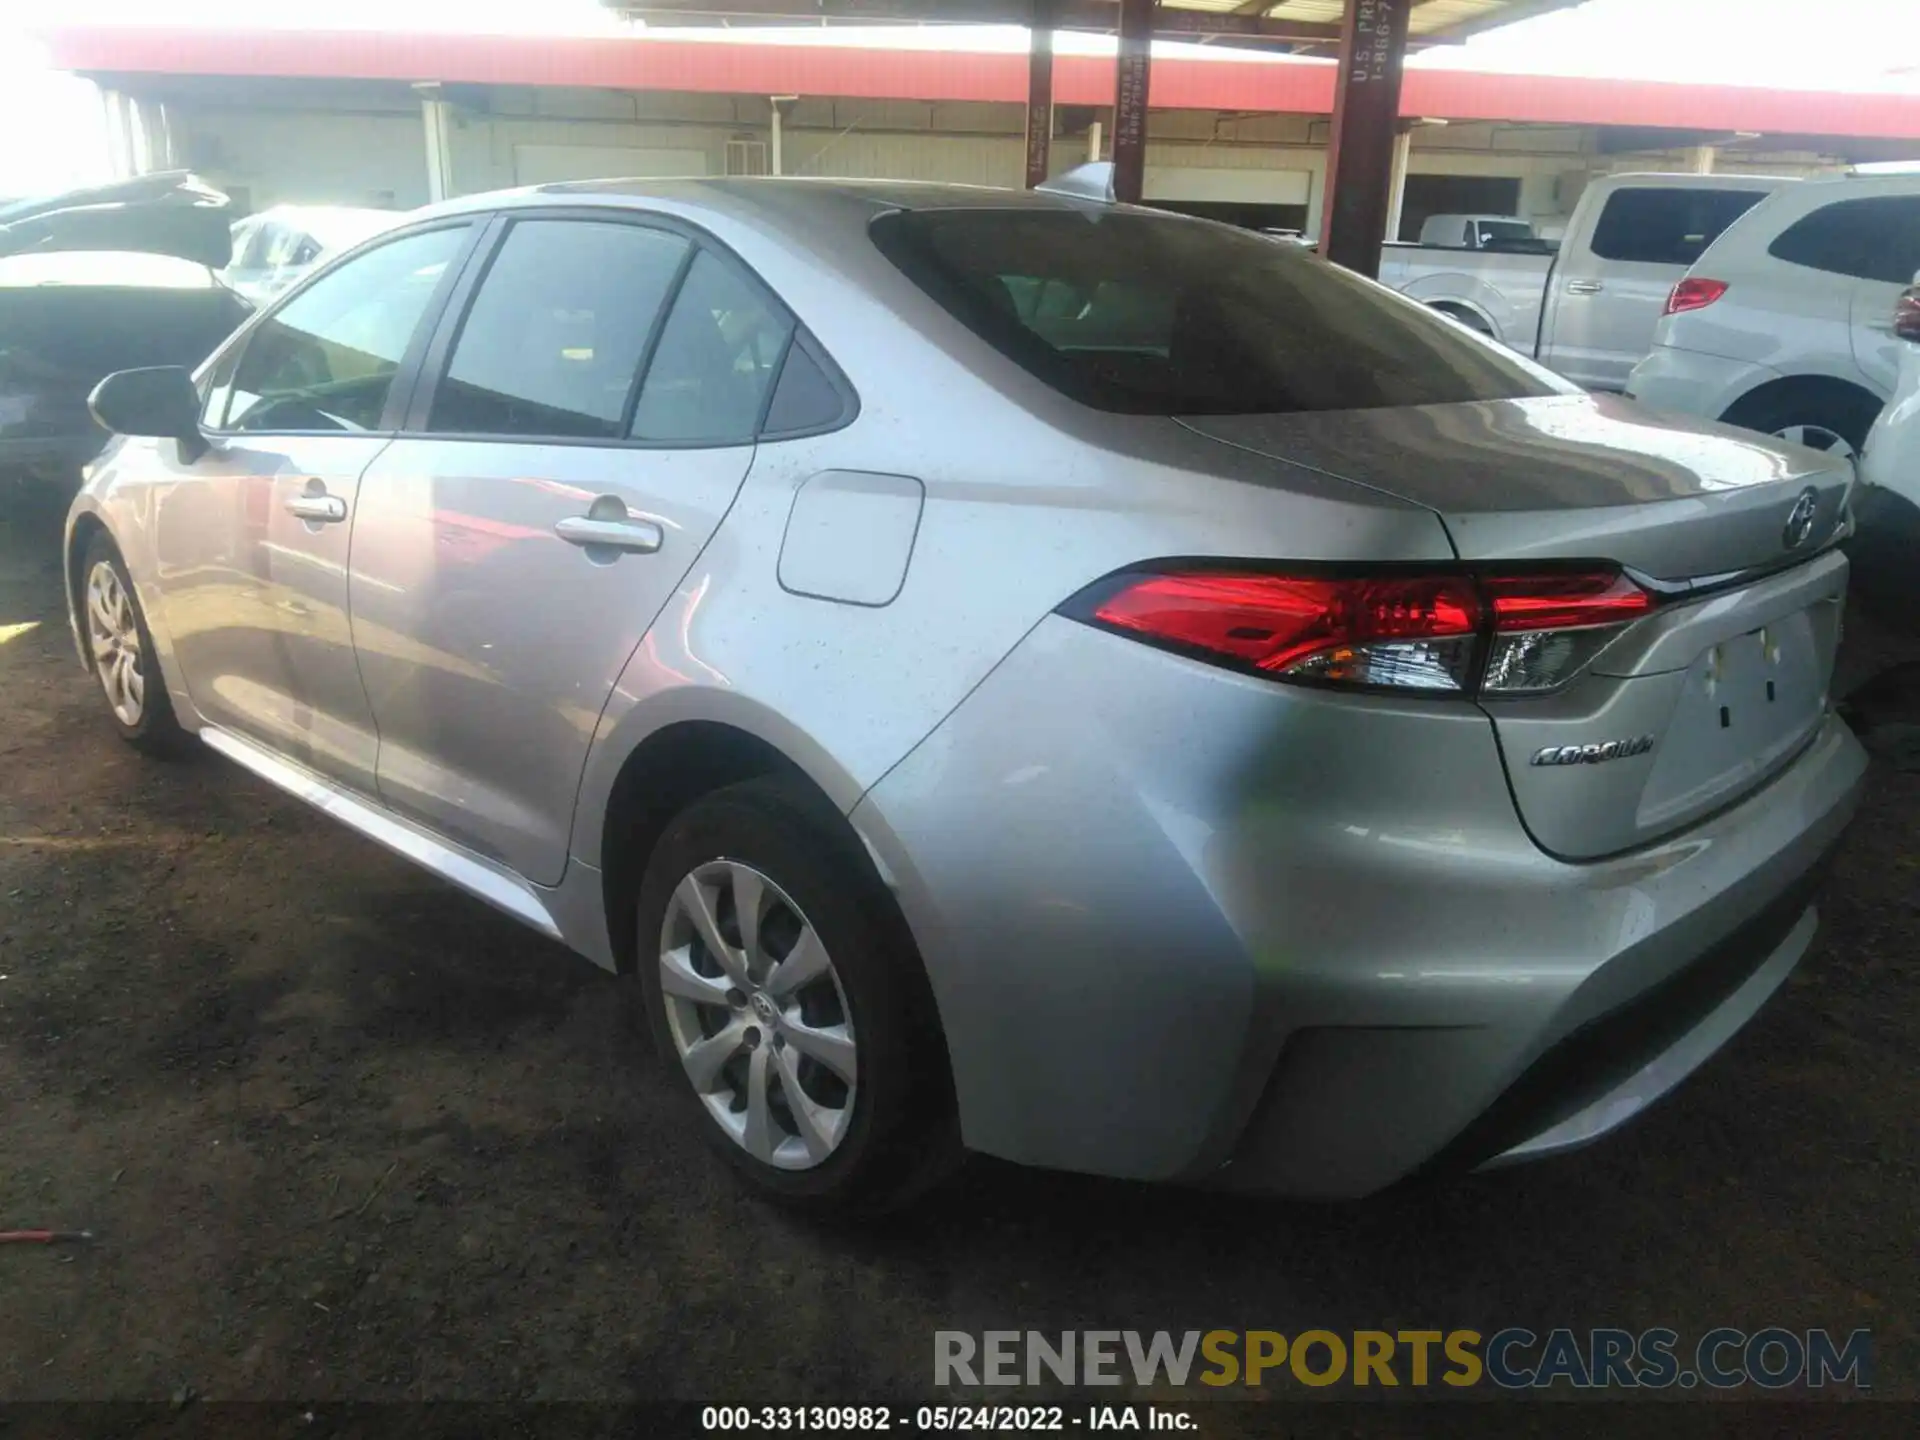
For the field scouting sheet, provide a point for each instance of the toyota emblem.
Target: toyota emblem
(1799, 525)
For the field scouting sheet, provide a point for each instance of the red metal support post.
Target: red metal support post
(1132, 70)
(1366, 115)
(1040, 93)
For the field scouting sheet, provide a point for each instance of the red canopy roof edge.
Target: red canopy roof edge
(848, 71)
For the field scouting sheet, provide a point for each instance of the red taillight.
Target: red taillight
(1692, 294)
(1274, 621)
(1563, 602)
(1496, 631)
(1906, 314)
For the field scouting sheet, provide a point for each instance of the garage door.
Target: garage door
(1197, 184)
(549, 164)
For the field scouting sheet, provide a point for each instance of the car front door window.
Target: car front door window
(325, 361)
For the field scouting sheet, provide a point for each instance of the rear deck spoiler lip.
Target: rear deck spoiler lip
(1693, 587)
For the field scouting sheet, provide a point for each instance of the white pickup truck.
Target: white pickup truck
(1588, 311)
(1478, 232)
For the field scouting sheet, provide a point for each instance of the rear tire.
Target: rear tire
(1831, 418)
(827, 1089)
(120, 649)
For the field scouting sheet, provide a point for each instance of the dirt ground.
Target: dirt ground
(342, 1133)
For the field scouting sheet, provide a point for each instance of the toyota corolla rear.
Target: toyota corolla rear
(1442, 774)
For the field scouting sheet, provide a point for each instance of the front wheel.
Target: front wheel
(788, 1004)
(1833, 420)
(121, 650)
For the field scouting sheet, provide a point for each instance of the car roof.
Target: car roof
(791, 196)
(1900, 182)
(1671, 180)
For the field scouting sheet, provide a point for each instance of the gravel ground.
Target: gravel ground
(344, 1134)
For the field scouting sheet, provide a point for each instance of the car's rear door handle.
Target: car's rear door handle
(1584, 287)
(318, 507)
(599, 529)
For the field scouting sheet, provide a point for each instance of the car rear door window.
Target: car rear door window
(1157, 314)
(718, 356)
(1874, 237)
(1667, 225)
(326, 359)
(553, 342)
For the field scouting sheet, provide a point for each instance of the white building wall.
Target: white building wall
(307, 157)
(279, 153)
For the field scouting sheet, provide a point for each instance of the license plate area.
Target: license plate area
(1747, 704)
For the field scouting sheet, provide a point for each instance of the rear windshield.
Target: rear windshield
(1160, 315)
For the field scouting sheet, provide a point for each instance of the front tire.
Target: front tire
(787, 1003)
(120, 648)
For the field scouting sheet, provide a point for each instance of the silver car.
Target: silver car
(1006, 672)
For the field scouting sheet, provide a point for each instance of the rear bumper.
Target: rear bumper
(1611, 1069)
(1184, 925)
(1688, 382)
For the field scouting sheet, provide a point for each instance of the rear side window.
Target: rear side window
(805, 399)
(553, 342)
(1155, 314)
(1667, 227)
(1873, 238)
(326, 359)
(723, 343)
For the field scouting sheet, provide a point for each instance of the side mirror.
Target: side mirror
(159, 402)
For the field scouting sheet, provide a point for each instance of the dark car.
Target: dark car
(93, 281)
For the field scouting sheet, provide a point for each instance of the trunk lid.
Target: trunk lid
(1685, 711)
(1590, 477)
(174, 213)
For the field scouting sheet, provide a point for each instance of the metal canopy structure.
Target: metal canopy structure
(1369, 40)
(1265, 24)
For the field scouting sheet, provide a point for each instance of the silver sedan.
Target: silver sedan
(1006, 672)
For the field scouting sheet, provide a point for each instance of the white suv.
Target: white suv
(1784, 324)
(1886, 548)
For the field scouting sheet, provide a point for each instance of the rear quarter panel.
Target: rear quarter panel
(1017, 517)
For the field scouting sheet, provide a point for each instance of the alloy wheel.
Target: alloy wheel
(1819, 437)
(113, 636)
(758, 1016)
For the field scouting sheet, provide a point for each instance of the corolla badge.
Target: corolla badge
(1592, 754)
(1799, 525)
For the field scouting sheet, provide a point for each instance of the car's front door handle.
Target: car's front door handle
(1584, 287)
(319, 508)
(640, 536)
